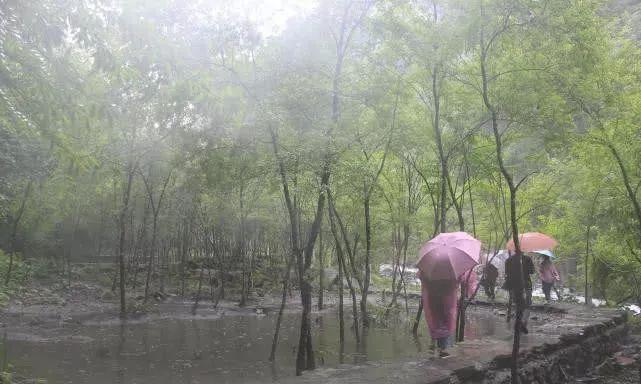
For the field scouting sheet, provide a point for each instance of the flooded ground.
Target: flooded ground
(222, 349)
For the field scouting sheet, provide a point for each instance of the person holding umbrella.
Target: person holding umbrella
(442, 262)
(439, 307)
(518, 282)
(548, 273)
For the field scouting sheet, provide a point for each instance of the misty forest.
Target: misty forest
(237, 191)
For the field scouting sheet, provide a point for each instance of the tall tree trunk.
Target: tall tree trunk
(305, 354)
(368, 258)
(628, 187)
(417, 318)
(72, 241)
(419, 311)
(321, 272)
(200, 285)
(283, 301)
(152, 252)
(121, 244)
(341, 312)
(458, 205)
(586, 266)
(462, 305)
(101, 229)
(399, 267)
(464, 301)
(469, 190)
(341, 259)
(155, 206)
(164, 256)
(222, 265)
(141, 244)
(306, 359)
(367, 194)
(184, 247)
(396, 265)
(513, 217)
(242, 251)
(406, 238)
(436, 122)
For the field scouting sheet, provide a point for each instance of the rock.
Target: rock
(471, 372)
(624, 361)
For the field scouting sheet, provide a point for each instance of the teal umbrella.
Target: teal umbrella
(545, 252)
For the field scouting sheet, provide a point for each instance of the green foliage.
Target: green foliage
(20, 276)
(6, 377)
(634, 322)
(180, 94)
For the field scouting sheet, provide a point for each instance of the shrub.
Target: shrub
(20, 275)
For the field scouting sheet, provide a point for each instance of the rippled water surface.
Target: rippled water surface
(231, 349)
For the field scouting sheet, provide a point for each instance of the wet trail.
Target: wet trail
(230, 348)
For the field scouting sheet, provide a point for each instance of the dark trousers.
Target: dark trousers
(489, 288)
(547, 290)
(521, 300)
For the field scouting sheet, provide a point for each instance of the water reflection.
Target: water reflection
(417, 343)
(361, 347)
(120, 365)
(232, 349)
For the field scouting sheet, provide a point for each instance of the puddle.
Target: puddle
(229, 349)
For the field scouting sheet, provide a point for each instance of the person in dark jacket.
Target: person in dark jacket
(490, 274)
(519, 284)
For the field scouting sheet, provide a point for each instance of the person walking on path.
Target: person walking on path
(439, 307)
(549, 275)
(490, 275)
(442, 261)
(519, 284)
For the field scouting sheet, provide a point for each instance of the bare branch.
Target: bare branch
(524, 178)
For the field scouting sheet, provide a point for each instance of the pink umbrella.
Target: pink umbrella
(448, 256)
(533, 241)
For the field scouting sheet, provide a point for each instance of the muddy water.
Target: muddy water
(230, 349)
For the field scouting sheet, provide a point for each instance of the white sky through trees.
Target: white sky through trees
(270, 16)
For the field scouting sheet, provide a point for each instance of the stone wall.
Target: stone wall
(573, 355)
